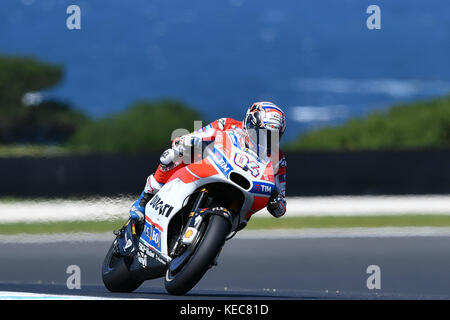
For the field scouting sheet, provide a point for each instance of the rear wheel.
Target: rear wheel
(201, 259)
(115, 272)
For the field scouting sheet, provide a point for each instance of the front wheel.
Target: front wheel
(115, 273)
(208, 247)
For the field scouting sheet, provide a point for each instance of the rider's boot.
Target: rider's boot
(137, 211)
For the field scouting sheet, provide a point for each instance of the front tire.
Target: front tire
(209, 246)
(115, 272)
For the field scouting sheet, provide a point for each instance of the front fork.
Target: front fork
(190, 230)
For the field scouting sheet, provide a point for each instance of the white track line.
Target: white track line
(12, 295)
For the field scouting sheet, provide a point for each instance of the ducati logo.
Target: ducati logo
(163, 208)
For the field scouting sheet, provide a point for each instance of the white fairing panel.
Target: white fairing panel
(160, 209)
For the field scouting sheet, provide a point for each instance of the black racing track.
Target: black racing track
(321, 268)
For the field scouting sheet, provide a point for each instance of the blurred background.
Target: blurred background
(85, 114)
(88, 111)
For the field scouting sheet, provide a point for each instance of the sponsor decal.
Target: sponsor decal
(163, 208)
(221, 162)
(189, 233)
(152, 236)
(145, 252)
(142, 255)
(155, 238)
(262, 188)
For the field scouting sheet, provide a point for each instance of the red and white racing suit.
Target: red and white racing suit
(167, 166)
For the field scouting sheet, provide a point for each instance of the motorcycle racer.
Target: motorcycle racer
(263, 123)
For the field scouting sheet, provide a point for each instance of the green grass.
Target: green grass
(61, 227)
(255, 223)
(11, 151)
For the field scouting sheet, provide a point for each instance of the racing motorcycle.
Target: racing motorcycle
(191, 217)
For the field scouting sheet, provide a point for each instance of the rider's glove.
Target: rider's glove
(277, 206)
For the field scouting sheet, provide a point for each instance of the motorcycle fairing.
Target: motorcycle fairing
(218, 166)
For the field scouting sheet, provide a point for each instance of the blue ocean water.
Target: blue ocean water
(316, 59)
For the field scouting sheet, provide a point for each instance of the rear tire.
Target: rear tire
(209, 246)
(115, 273)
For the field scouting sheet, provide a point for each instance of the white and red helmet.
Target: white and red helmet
(263, 121)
